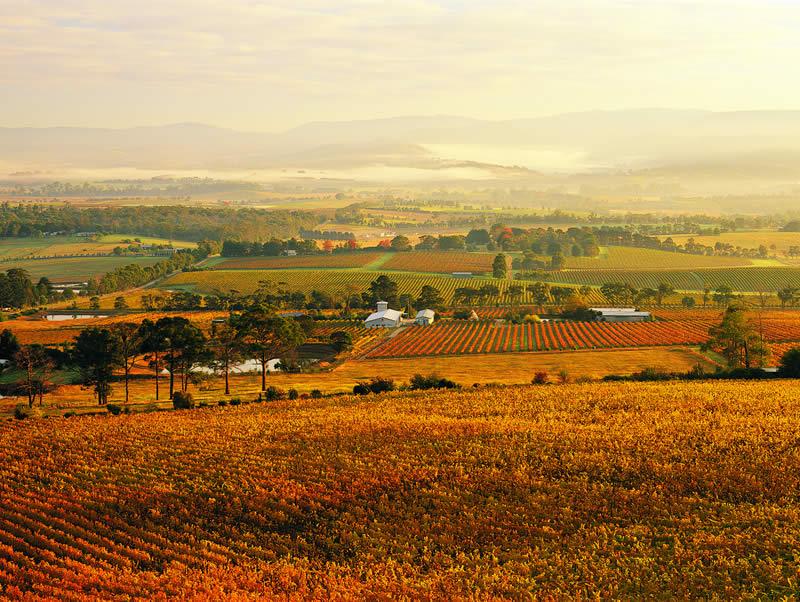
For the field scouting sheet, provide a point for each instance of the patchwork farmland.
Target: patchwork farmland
(460, 337)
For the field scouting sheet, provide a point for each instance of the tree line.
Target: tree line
(173, 344)
(177, 222)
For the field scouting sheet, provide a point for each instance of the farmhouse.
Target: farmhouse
(620, 314)
(425, 317)
(384, 317)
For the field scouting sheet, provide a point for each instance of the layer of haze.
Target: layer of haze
(268, 66)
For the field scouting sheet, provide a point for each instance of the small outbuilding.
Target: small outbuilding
(621, 314)
(384, 317)
(425, 317)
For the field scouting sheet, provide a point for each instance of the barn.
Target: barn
(384, 317)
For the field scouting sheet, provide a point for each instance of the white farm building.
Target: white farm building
(384, 317)
(425, 317)
(621, 314)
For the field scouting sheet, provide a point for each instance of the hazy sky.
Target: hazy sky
(271, 65)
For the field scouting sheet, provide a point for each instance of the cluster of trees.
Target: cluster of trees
(171, 343)
(789, 296)
(133, 274)
(181, 222)
(17, 290)
(739, 340)
(272, 248)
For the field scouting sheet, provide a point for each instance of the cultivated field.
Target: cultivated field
(505, 368)
(443, 262)
(15, 249)
(633, 258)
(339, 260)
(45, 332)
(748, 240)
(460, 337)
(609, 491)
(75, 269)
(336, 282)
(740, 279)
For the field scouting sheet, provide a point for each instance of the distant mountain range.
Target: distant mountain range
(663, 142)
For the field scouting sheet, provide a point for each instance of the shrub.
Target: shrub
(293, 394)
(540, 378)
(431, 381)
(380, 384)
(22, 411)
(362, 389)
(316, 394)
(235, 401)
(182, 401)
(376, 385)
(114, 409)
(222, 402)
(790, 364)
(70, 414)
(272, 393)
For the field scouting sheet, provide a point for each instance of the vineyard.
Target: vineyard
(634, 258)
(339, 282)
(444, 262)
(463, 337)
(739, 279)
(338, 260)
(610, 491)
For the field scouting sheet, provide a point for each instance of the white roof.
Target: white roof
(426, 313)
(388, 314)
(620, 311)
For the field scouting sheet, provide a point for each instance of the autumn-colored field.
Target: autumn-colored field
(634, 258)
(38, 330)
(459, 337)
(337, 260)
(599, 491)
(506, 368)
(778, 350)
(716, 313)
(444, 262)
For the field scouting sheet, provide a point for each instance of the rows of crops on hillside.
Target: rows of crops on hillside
(617, 490)
(460, 337)
(337, 260)
(739, 279)
(338, 282)
(444, 262)
(634, 258)
(716, 314)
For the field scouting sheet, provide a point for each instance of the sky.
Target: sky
(269, 66)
